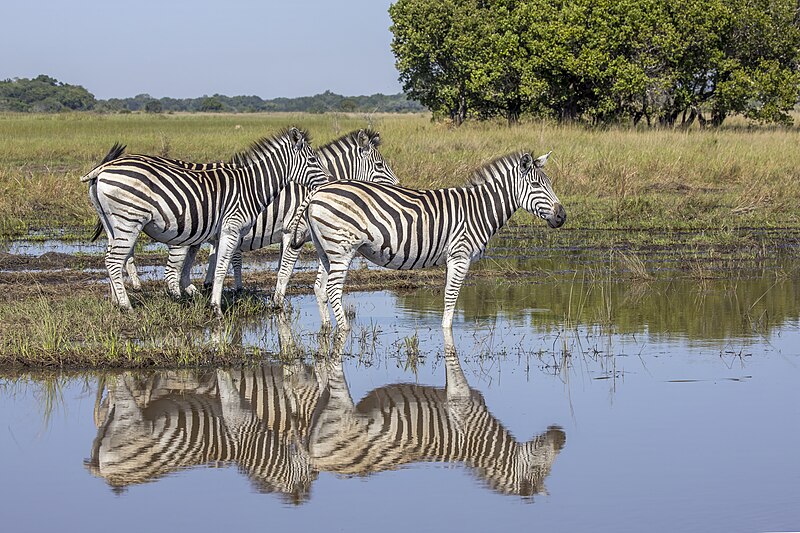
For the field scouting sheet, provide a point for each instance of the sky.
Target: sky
(191, 48)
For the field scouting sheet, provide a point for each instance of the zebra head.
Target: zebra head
(535, 459)
(304, 166)
(535, 192)
(355, 156)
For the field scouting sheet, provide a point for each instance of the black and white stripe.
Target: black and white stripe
(401, 228)
(184, 207)
(252, 419)
(354, 156)
(407, 423)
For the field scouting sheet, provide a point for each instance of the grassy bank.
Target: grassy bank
(712, 180)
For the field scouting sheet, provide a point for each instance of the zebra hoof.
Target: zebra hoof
(191, 290)
(218, 311)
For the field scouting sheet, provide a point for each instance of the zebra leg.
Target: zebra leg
(118, 251)
(133, 275)
(236, 261)
(456, 386)
(174, 269)
(212, 264)
(288, 261)
(337, 273)
(186, 271)
(229, 238)
(457, 267)
(321, 292)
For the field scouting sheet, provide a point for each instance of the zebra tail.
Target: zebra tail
(294, 226)
(98, 229)
(114, 153)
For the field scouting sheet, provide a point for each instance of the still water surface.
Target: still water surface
(571, 406)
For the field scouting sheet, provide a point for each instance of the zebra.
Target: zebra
(402, 228)
(282, 425)
(250, 418)
(183, 207)
(405, 423)
(353, 156)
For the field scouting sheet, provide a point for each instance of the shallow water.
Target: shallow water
(670, 405)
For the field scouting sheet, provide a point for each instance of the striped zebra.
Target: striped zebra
(407, 423)
(403, 228)
(353, 156)
(183, 207)
(251, 418)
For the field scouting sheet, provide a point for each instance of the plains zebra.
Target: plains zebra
(403, 228)
(252, 418)
(183, 207)
(405, 423)
(353, 156)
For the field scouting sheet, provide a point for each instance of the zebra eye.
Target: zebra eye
(312, 160)
(379, 164)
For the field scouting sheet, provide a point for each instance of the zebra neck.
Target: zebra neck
(266, 179)
(495, 203)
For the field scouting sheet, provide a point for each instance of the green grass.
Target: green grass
(713, 180)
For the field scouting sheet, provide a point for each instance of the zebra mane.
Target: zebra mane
(256, 151)
(484, 175)
(352, 138)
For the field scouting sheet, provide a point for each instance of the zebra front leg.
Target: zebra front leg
(174, 269)
(186, 271)
(288, 261)
(229, 238)
(456, 386)
(133, 275)
(457, 267)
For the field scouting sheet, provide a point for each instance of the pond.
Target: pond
(574, 404)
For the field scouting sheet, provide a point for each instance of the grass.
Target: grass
(698, 204)
(710, 180)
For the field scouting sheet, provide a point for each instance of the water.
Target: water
(661, 404)
(638, 428)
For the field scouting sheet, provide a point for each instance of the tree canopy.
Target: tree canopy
(662, 61)
(46, 94)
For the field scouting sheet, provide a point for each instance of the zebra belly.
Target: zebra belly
(390, 258)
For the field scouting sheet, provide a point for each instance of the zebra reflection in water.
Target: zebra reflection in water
(281, 426)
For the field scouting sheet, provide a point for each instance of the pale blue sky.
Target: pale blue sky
(183, 48)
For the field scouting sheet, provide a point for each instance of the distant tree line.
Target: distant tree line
(662, 62)
(46, 94)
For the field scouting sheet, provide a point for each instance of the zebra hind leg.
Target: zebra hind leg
(174, 269)
(133, 274)
(119, 250)
(236, 262)
(212, 265)
(289, 257)
(321, 292)
(337, 273)
(186, 271)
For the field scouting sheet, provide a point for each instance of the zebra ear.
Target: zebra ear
(525, 163)
(542, 159)
(364, 142)
(298, 138)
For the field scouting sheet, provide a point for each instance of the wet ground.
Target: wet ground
(578, 399)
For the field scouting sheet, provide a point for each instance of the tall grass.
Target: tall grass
(612, 178)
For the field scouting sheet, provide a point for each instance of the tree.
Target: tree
(665, 61)
(153, 106)
(211, 103)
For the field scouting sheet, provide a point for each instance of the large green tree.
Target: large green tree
(663, 61)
